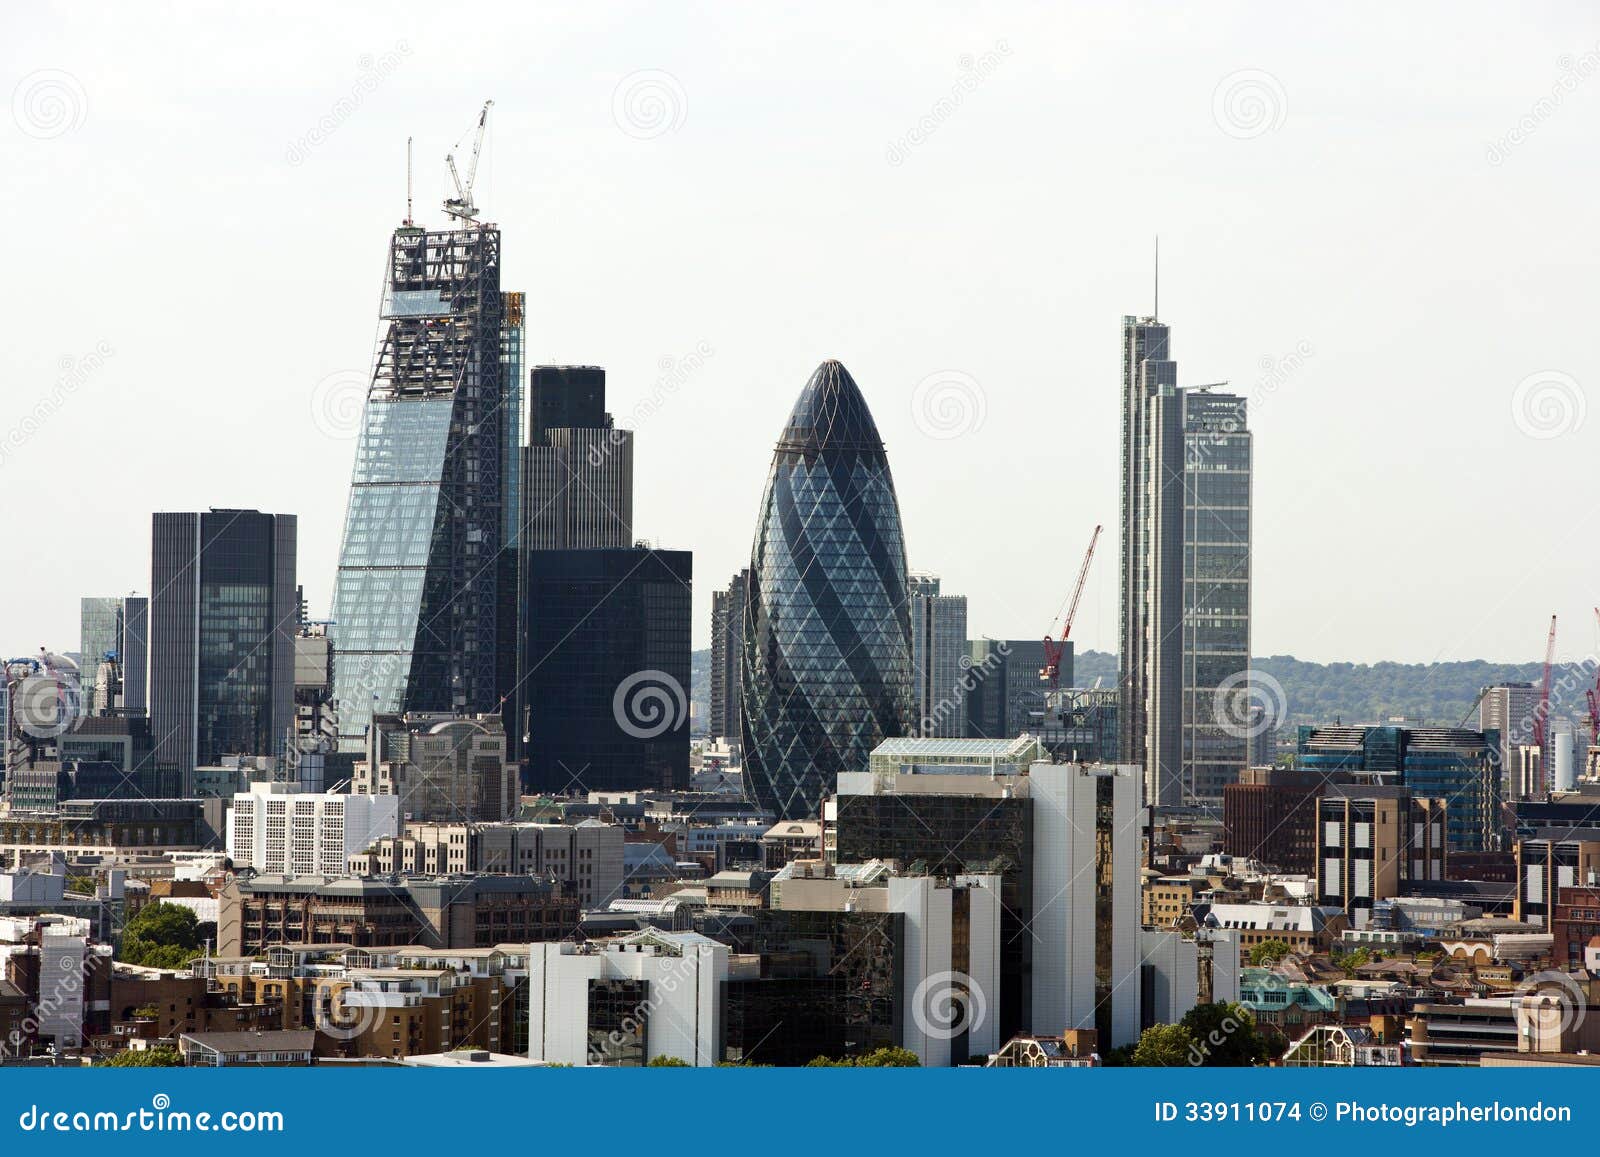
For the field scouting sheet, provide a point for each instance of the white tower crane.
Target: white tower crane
(461, 205)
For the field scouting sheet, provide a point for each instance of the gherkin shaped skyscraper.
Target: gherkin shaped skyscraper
(826, 665)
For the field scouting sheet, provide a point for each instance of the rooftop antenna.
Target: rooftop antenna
(408, 180)
(1157, 314)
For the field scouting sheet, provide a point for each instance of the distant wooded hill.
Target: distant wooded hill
(1437, 694)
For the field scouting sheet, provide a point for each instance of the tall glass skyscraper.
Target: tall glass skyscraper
(417, 604)
(1220, 714)
(223, 615)
(826, 669)
(1186, 710)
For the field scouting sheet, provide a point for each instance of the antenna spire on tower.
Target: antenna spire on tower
(1157, 314)
(408, 180)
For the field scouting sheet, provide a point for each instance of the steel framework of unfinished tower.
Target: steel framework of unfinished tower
(417, 604)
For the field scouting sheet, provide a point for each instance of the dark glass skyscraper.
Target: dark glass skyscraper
(606, 669)
(417, 605)
(826, 669)
(223, 616)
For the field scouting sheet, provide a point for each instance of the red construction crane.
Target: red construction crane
(1542, 715)
(1593, 696)
(1053, 648)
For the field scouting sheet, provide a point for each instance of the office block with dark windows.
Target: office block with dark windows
(605, 670)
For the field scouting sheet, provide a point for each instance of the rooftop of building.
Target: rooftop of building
(290, 1040)
(911, 748)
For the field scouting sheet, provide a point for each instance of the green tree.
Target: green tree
(1164, 1046)
(889, 1058)
(1225, 1036)
(160, 1057)
(1268, 953)
(884, 1058)
(160, 936)
(665, 1062)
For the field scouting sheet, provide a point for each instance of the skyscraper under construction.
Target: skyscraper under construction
(420, 605)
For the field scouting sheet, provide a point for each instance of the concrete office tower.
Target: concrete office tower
(578, 467)
(273, 828)
(1509, 708)
(1088, 820)
(417, 602)
(826, 666)
(222, 625)
(117, 626)
(727, 619)
(1185, 709)
(939, 658)
(444, 768)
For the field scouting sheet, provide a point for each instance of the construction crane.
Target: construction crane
(461, 205)
(1542, 715)
(1593, 696)
(1054, 648)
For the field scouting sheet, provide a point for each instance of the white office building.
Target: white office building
(628, 1000)
(273, 829)
(947, 991)
(1088, 820)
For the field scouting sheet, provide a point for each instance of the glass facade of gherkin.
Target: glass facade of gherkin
(826, 667)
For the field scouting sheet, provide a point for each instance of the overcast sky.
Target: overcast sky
(1376, 221)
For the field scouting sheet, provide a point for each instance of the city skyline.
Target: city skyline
(1321, 328)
